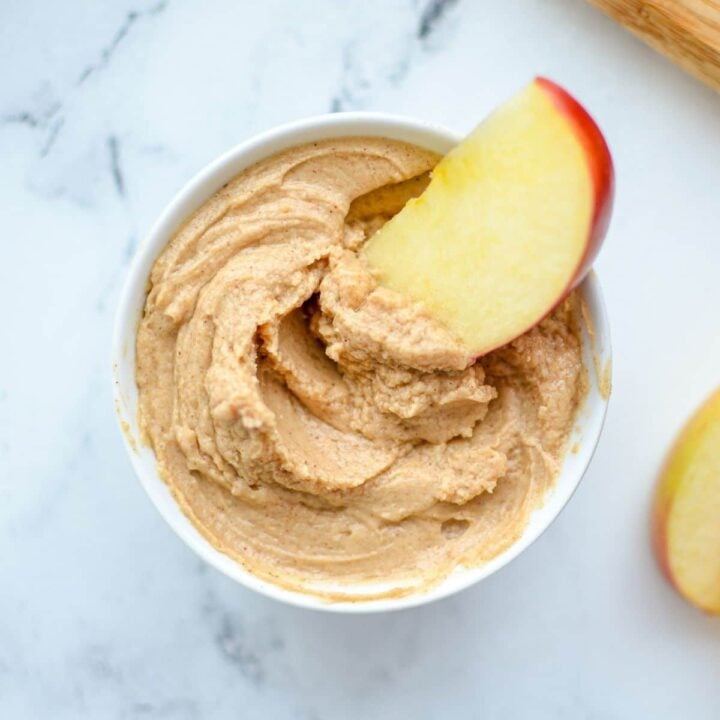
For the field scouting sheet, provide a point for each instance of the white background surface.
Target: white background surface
(105, 110)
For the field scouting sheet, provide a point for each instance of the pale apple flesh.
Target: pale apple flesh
(686, 512)
(510, 222)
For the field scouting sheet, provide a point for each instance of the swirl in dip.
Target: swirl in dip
(324, 431)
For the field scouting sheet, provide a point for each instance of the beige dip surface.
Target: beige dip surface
(323, 431)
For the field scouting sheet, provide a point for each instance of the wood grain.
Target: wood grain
(687, 31)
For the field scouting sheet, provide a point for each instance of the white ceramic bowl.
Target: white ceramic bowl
(596, 352)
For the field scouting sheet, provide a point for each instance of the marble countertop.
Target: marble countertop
(106, 109)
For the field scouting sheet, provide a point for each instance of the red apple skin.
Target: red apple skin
(665, 492)
(600, 166)
(602, 173)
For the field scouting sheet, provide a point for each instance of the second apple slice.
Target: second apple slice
(509, 224)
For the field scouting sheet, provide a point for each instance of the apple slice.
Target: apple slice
(686, 512)
(509, 224)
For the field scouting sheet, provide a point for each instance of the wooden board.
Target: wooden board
(687, 31)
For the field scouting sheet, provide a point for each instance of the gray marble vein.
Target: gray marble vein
(115, 166)
(48, 120)
(373, 62)
(432, 16)
(107, 53)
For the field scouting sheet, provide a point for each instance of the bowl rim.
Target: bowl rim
(187, 199)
